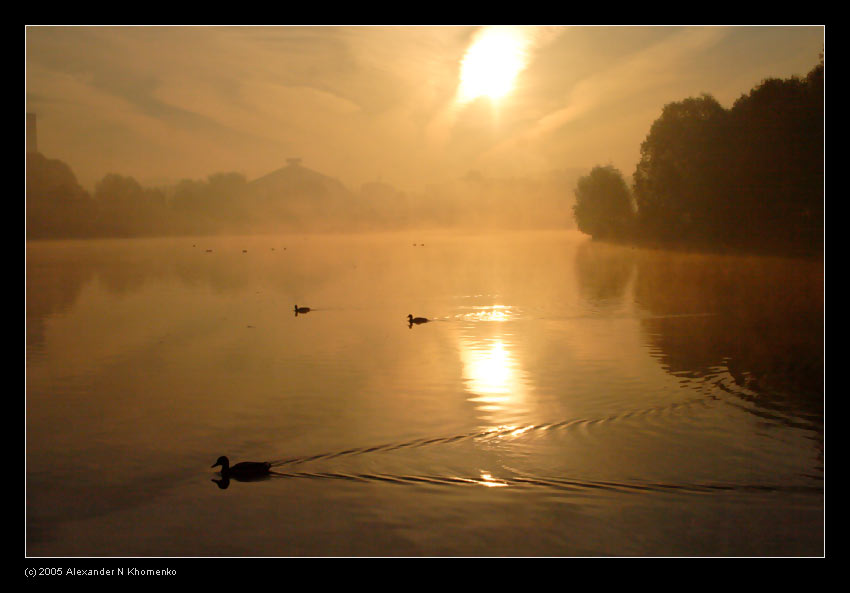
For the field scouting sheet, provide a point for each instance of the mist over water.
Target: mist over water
(566, 397)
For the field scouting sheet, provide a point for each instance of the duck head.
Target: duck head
(223, 462)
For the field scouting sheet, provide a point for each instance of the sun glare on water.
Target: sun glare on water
(492, 63)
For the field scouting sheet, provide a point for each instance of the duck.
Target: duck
(411, 319)
(301, 309)
(242, 469)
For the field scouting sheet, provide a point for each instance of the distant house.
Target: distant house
(299, 197)
(296, 181)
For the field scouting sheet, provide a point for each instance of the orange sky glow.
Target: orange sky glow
(408, 105)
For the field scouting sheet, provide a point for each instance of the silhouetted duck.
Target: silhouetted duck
(301, 309)
(411, 320)
(244, 469)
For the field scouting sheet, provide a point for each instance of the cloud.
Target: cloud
(613, 90)
(358, 102)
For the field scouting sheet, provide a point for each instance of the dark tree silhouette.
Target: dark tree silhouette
(603, 207)
(748, 178)
(676, 182)
(776, 152)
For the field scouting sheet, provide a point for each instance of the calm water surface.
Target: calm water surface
(567, 398)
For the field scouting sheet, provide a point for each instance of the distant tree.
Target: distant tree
(56, 205)
(127, 208)
(52, 178)
(219, 202)
(603, 207)
(225, 194)
(188, 195)
(118, 189)
(226, 185)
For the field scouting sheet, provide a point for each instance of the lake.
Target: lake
(566, 398)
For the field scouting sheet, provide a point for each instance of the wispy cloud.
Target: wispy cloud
(611, 94)
(363, 102)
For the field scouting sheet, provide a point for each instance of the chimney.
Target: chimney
(32, 137)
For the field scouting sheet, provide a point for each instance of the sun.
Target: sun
(492, 63)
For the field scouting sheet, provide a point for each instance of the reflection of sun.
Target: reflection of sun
(490, 370)
(493, 378)
(492, 373)
(492, 63)
(488, 480)
(491, 313)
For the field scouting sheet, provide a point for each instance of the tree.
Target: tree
(750, 177)
(127, 208)
(56, 205)
(117, 189)
(777, 149)
(225, 194)
(603, 207)
(679, 179)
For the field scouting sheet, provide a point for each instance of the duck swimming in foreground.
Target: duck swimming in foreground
(411, 320)
(243, 469)
(301, 309)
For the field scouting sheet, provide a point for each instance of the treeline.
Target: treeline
(58, 207)
(748, 178)
(293, 198)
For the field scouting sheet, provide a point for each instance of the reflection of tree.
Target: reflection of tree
(53, 285)
(761, 318)
(57, 272)
(603, 271)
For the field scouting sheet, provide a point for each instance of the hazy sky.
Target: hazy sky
(380, 103)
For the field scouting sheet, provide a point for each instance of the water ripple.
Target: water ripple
(558, 483)
(500, 431)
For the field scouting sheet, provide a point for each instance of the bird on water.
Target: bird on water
(411, 320)
(242, 469)
(301, 309)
